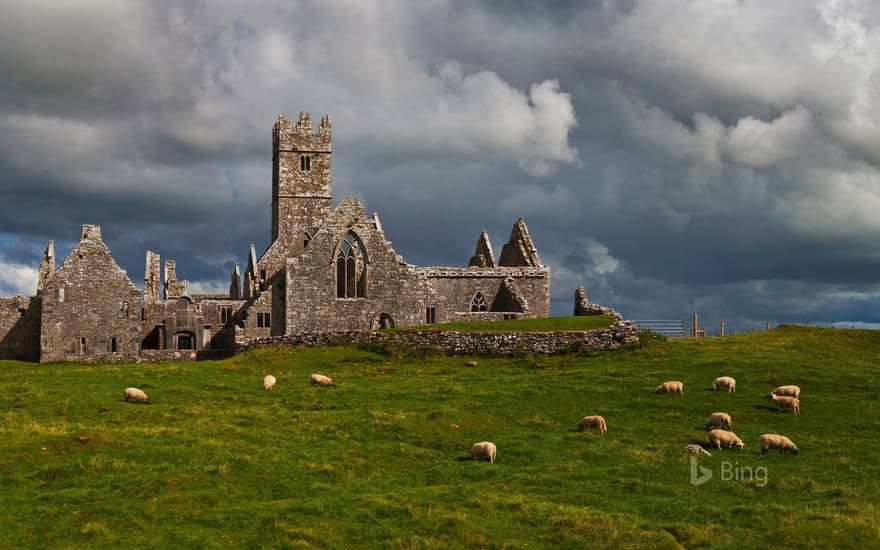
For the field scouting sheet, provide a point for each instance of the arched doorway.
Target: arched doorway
(384, 321)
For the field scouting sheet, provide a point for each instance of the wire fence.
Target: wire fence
(671, 328)
(679, 328)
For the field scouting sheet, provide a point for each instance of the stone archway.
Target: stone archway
(384, 321)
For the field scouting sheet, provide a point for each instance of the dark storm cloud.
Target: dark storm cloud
(674, 156)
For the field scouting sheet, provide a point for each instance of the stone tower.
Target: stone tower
(302, 193)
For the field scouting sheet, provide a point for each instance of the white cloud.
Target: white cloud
(208, 287)
(599, 260)
(758, 143)
(18, 278)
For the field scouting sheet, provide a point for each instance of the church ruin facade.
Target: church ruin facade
(327, 269)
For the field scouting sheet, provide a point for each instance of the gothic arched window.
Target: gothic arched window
(478, 303)
(351, 268)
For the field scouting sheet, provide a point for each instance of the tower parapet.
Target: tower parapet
(301, 136)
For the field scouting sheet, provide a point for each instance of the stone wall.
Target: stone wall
(459, 285)
(179, 356)
(197, 316)
(19, 328)
(465, 343)
(390, 285)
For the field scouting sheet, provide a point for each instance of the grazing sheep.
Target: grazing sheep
(470, 363)
(694, 449)
(593, 422)
(776, 441)
(484, 449)
(136, 394)
(724, 383)
(719, 437)
(719, 419)
(788, 391)
(268, 382)
(672, 386)
(784, 403)
(320, 379)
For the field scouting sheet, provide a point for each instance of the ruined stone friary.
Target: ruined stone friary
(327, 269)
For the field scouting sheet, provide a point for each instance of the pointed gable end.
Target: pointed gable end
(483, 256)
(90, 263)
(519, 251)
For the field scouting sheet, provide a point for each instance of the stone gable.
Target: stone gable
(90, 308)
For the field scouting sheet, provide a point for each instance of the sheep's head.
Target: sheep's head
(738, 444)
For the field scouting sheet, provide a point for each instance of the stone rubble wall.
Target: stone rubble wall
(452, 342)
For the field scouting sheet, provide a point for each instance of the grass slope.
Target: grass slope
(380, 459)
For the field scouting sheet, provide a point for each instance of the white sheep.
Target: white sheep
(724, 383)
(484, 449)
(788, 391)
(320, 379)
(694, 449)
(269, 382)
(135, 394)
(719, 437)
(776, 441)
(785, 403)
(720, 420)
(593, 422)
(672, 386)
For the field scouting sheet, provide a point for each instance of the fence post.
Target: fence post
(694, 329)
(722, 329)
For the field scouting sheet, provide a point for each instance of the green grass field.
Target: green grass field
(380, 459)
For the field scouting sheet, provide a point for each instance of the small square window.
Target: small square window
(264, 320)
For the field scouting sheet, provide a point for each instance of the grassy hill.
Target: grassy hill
(380, 459)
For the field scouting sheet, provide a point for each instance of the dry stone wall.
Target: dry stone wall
(451, 342)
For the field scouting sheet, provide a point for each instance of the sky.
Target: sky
(719, 157)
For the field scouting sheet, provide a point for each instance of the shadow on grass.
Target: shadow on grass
(766, 408)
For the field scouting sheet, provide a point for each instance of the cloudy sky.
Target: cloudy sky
(720, 157)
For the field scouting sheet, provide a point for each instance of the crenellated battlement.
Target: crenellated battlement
(301, 136)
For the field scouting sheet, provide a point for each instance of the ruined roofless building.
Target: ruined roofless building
(326, 269)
